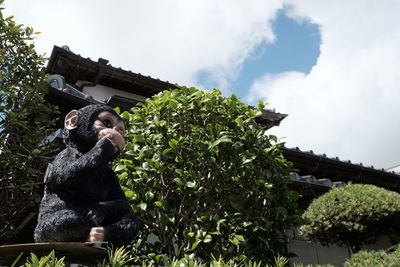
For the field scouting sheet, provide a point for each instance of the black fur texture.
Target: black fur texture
(82, 191)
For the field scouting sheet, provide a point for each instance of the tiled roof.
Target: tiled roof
(321, 166)
(74, 67)
(325, 183)
(339, 160)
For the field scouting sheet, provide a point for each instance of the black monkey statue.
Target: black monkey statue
(82, 199)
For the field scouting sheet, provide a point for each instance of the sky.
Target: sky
(332, 66)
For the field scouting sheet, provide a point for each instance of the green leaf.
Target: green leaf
(165, 151)
(245, 224)
(194, 245)
(149, 195)
(173, 143)
(20, 254)
(223, 139)
(173, 103)
(207, 239)
(179, 171)
(125, 115)
(234, 241)
(240, 238)
(261, 104)
(178, 181)
(191, 184)
(143, 206)
(129, 194)
(120, 168)
(138, 138)
(246, 161)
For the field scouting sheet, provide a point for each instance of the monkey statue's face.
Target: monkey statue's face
(109, 126)
(86, 126)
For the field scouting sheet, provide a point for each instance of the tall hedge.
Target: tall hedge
(353, 215)
(24, 125)
(204, 178)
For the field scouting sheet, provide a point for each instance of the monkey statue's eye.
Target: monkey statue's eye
(107, 123)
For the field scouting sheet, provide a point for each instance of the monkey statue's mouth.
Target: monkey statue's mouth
(114, 136)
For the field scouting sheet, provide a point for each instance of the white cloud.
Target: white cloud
(348, 105)
(171, 40)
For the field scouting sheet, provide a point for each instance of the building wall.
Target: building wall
(103, 93)
(309, 252)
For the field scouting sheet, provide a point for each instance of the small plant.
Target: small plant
(46, 261)
(116, 257)
(353, 215)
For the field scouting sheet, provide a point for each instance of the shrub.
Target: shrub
(204, 178)
(24, 124)
(353, 215)
(374, 258)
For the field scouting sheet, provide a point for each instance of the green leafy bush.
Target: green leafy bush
(353, 215)
(374, 259)
(24, 124)
(204, 178)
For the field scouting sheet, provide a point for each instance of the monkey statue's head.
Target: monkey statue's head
(84, 127)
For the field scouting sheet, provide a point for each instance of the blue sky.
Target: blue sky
(332, 66)
(295, 48)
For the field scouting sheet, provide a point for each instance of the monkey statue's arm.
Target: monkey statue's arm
(119, 226)
(115, 208)
(116, 205)
(123, 231)
(71, 167)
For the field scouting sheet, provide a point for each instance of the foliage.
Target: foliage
(204, 178)
(374, 259)
(116, 257)
(119, 258)
(353, 215)
(17, 259)
(24, 123)
(45, 261)
(190, 260)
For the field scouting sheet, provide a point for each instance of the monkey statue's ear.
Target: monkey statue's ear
(71, 120)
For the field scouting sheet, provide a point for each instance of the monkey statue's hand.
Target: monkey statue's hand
(96, 234)
(96, 216)
(115, 137)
